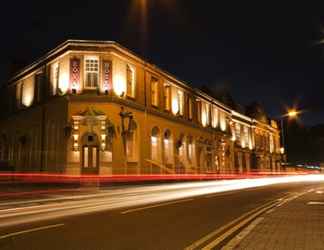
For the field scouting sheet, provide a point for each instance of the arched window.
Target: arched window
(167, 147)
(190, 149)
(131, 140)
(155, 144)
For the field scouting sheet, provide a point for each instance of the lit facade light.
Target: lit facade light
(120, 86)
(175, 106)
(282, 150)
(64, 82)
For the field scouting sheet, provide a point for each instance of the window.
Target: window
(167, 97)
(190, 149)
(205, 110)
(55, 75)
(167, 147)
(222, 121)
(130, 78)
(214, 117)
(245, 141)
(198, 102)
(131, 142)
(155, 141)
(154, 91)
(190, 108)
(28, 91)
(180, 98)
(237, 131)
(91, 72)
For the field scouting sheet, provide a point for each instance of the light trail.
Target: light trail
(125, 197)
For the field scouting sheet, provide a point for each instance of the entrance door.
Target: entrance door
(90, 159)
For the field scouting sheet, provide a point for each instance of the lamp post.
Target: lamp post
(291, 114)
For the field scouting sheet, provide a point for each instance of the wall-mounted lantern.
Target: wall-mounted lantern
(125, 115)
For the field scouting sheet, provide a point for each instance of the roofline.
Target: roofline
(145, 62)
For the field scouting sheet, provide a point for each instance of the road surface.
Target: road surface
(166, 216)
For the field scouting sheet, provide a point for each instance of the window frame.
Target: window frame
(156, 93)
(89, 58)
(131, 94)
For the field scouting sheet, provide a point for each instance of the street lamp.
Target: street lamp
(291, 114)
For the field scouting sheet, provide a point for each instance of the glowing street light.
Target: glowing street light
(292, 113)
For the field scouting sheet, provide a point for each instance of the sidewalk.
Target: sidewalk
(298, 224)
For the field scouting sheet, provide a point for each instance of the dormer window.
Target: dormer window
(91, 72)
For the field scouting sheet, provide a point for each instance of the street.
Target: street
(177, 215)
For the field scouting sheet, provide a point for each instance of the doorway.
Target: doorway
(90, 154)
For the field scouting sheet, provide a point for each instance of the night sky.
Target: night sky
(262, 52)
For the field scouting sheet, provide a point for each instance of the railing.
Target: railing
(160, 165)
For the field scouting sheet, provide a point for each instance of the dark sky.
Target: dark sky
(266, 52)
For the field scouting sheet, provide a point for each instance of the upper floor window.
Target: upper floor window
(237, 131)
(214, 117)
(205, 110)
(180, 98)
(167, 96)
(55, 75)
(154, 91)
(130, 79)
(190, 108)
(91, 72)
(222, 121)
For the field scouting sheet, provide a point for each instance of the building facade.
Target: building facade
(94, 107)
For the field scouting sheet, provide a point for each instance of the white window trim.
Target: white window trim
(90, 57)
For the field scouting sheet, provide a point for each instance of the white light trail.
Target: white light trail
(125, 197)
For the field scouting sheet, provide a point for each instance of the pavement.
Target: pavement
(298, 224)
(168, 216)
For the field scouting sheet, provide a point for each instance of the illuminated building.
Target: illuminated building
(94, 107)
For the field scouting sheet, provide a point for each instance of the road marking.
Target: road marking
(251, 215)
(242, 220)
(30, 231)
(238, 238)
(230, 224)
(153, 206)
(315, 203)
(232, 230)
(222, 194)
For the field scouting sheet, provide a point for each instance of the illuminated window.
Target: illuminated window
(214, 117)
(190, 149)
(130, 78)
(180, 98)
(154, 91)
(198, 102)
(222, 121)
(91, 72)
(55, 76)
(271, 142)
(155, 144)
(167, 147)
(190, 108)
(237, 131)
(28, 91)
(167, 97)
(131, 143)
(205, 111)
(245, 140)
